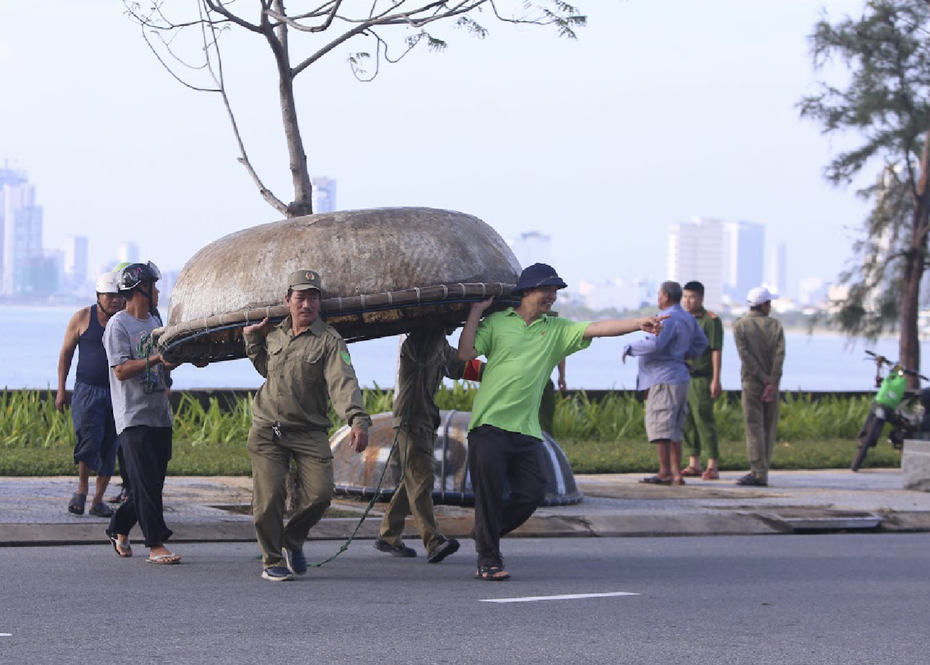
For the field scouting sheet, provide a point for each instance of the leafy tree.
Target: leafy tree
(886, 103)
(392, 28)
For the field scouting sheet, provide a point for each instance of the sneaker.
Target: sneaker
(442, 550)
(399, 549)
(101, 510)
(277, 574)
(295, 560)
(750, 480)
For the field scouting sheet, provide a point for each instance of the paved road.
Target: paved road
(847, 598)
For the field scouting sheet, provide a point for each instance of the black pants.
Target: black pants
(147, 451)
(496, 455)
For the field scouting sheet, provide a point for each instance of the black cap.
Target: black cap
(538, 274)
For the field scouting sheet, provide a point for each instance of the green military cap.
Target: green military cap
(301, 280)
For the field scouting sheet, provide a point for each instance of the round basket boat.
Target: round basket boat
(360, 474)
(385, 271)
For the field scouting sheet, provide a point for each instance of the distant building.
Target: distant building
(75, 266)
(128, 252)
(696, 252)
(775, 279)
(813, 291)
(531, 247)
(22, 257)
(616, 294)
(324, 194)
(743, 257)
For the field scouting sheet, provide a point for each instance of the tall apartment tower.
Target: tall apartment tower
(776, 281)
(75, 260)
(22, 239)
(324, 194)
(696, 252)
(532, 247)
(744, 254)
(128, 252)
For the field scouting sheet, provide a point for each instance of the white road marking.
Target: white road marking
(6, 634)
(567, 596)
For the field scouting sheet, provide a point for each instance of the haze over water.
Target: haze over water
(31, 338)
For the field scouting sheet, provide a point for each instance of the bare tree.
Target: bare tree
(391, 28)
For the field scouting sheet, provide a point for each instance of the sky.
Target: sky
(660, 112)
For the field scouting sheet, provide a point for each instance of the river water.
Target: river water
(31, 338)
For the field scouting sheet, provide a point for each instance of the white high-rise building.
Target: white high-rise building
(75, 261)
(696, 252)
(22, 238)
(532, 247)
(324, 194)
(744, 254)
(776, 281)
(128, 252)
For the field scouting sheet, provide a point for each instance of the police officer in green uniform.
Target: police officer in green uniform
(303, 361)
(701, 426)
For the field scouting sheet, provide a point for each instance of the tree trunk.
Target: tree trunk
(300, 175)
(909, 351)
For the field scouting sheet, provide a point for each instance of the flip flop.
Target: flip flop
(120, 552)
(690, 472)
(164, 559)
(76, 504)
(655, 480)
(711, 474)
(678, 482)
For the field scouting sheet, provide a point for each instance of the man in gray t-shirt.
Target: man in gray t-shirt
(141, 411)
(140, 399)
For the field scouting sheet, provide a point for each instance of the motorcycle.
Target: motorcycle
(905, 410)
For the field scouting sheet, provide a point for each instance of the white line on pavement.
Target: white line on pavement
(6, 634)
(567, 596)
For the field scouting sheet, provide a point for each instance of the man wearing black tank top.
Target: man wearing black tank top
(91, 409)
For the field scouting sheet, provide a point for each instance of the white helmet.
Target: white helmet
(106, 283)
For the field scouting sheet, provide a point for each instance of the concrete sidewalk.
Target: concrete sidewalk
(33, 511)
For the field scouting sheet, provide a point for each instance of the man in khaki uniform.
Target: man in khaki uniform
(301, 358)
(760, 341)
(425, 358)
(700, 424)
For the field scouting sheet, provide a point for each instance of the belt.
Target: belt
(698, 375)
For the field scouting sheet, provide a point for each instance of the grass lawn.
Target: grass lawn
(232, 459)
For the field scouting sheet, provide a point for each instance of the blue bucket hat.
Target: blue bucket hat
(538, 274)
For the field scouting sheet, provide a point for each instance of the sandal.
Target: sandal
(164, 559)
(123, 553)
(76, 504)
(491, 574)
(677, 483)
(655, 480)
(691, 472)
(711, 474)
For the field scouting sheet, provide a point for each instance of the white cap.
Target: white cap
(758, 295)
(106, 283)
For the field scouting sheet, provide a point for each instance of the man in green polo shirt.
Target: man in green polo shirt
(522, 345)
(700, 424)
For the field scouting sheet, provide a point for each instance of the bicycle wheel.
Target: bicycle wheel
(868, 437)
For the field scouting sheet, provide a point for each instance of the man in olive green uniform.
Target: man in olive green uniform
(302, 359)
(700, 424)
(425, 358)
(760, 341)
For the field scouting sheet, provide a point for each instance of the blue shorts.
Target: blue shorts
(92, 415)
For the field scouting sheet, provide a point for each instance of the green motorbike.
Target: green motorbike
(904, 410)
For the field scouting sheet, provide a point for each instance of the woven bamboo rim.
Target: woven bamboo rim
(365, 316)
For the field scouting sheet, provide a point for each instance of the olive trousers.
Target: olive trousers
(271, 460)
(760, 420)
(700, 423)
(414, 490)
